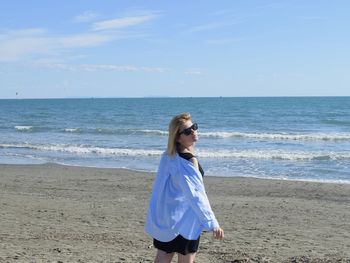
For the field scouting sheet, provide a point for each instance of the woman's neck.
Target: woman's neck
(183, 149)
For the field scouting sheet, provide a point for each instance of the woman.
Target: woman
(179, 209)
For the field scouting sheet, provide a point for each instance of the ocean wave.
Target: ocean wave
(279, 136)
(81, 149)
(31, 128)
(73, 130)
(111, 131)
(275, 155)
(202, 153)
(203, 134)
(108, 131)
(154, 132)
(23, 128)
(27, 156)
(337, 122)
(225, 135)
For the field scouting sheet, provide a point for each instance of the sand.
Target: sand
(53, 213)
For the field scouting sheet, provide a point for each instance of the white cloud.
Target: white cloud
(26, 32)
(124, 22)
(87, 16)
(194, 71)
(18, 44)
(21, 44)
(83, 40)
(99, 67)
(29, 43)
(211, 26)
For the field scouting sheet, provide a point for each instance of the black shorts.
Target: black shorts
(179, 244)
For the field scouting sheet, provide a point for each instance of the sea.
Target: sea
(287, 138)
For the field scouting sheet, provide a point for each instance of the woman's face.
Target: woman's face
(187, 140)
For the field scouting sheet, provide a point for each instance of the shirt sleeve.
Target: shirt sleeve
(192, 185)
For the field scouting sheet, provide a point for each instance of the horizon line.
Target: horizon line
(174, 97)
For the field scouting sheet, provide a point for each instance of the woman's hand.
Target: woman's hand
(218, 233)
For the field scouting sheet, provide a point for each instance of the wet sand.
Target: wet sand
(53, 213)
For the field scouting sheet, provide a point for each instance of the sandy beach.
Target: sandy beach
(53, 213)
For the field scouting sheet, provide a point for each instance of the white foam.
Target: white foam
(273, 154)
(278, 136)
(23, 128)
(155, 132)
(81, 149)
(28, 156)
(203, 153)
(72, 130)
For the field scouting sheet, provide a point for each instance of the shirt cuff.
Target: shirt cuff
(211, 225)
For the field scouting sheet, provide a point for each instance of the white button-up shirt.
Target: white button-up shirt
(178, 204)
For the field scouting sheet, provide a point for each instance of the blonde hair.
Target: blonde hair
(174, 127)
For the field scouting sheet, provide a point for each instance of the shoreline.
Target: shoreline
(326, 181)
(52, 213)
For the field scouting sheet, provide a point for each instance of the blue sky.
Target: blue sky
(91, 48)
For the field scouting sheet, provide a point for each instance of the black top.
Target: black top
(189, 156)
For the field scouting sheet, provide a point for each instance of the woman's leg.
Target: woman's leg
(163, 257)
(189, 258)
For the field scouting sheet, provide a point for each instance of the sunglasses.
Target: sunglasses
(188, 130)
